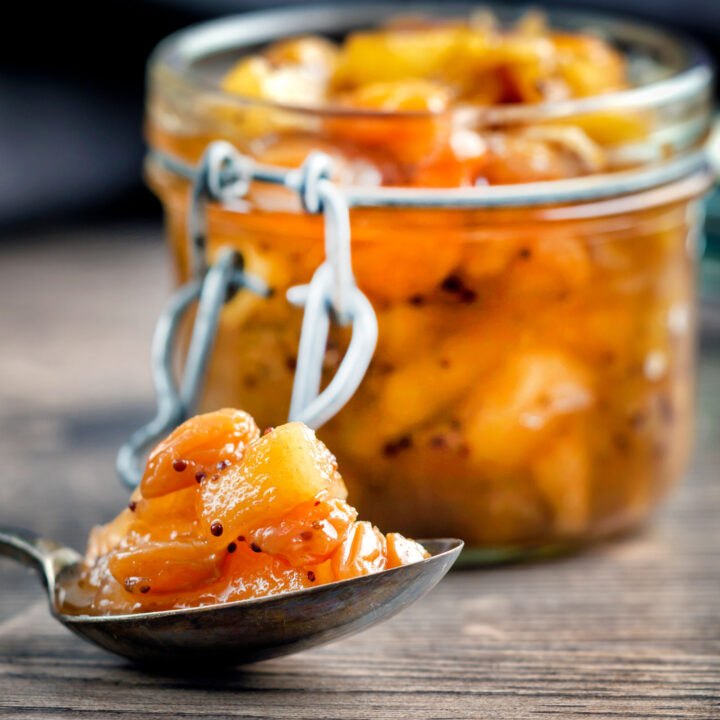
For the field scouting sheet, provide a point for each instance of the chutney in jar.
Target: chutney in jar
(533, 378)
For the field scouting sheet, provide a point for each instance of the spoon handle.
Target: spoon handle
(22, 545)
(44, 556)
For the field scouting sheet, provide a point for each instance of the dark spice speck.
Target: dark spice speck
(452, 283)
(393, 447)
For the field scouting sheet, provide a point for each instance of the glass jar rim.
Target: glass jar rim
(178, 54)
(584, 190)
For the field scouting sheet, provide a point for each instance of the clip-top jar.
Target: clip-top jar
(532, 384)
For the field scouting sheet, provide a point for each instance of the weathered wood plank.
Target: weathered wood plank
(630, 629)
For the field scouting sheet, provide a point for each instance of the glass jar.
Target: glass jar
(532, 386)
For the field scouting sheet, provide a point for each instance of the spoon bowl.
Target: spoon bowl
(239, 632)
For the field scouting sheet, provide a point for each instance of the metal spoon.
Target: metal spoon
(238, 632)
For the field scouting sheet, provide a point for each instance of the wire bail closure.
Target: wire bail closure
(331, 294)
(224, 175)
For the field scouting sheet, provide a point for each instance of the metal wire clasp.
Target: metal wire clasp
(224, 176)
(332, 293)
(221, 176)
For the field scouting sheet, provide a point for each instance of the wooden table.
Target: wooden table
(630, 629)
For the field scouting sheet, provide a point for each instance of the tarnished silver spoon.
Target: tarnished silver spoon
(238, 632)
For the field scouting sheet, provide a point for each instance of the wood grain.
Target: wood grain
(630, 629)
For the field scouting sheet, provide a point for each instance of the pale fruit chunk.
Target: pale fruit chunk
(285, 467)
(512, 410)
(489, 256)
(403, 551)
(588, 65)
(291, 84)
(314, 53)
(362, 552)
(400, 96)
(515, 158)
(368, 57)
(614, 127)
(285, 84)
(562, 475)
(573, 141)
(600, 329)
(454, 364)
(406, 329)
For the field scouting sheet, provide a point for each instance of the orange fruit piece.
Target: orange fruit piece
(362, 552)
(309, 533)
(104, 538)
(415, 132)
(164, 567)
(168, 516)
(247, 574)
(196, 449)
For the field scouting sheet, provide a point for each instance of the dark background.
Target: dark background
(71, 98)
